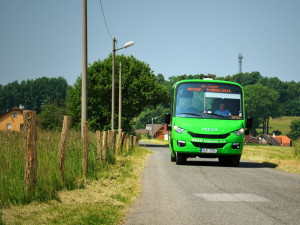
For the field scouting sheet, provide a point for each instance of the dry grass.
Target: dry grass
(103, 201)
(281, 158)
(155, 141)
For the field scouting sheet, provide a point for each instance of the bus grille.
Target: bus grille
(208, 145)
(210, 136)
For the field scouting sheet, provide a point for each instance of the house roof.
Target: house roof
(284, 140)
(12, 109)
(250, 139)
(156, 127)
(141, 131)
(270, 140)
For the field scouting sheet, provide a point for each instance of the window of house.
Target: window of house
(15, 115)
(8, 126)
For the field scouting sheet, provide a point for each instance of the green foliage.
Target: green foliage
(32, 93)
(263, 105)
(146, 117)
(277, 132)
(245, 78)
(297, 148)
(295, 130)
(52, 115)
(140, 89)
(49, 177)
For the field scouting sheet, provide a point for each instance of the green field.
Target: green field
(103, 196)
(282, 124)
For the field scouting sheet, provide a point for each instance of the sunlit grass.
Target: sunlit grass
(101, 201)
(283, 158)
(282, 124)
(103, 196)
(155, 141)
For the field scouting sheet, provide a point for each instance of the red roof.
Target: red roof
(283, 140)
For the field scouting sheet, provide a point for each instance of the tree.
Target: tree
(146, 116)
(52, 114)
(140, 89)
(244, 78)
(295, 130)
(32, 93)
(262, 103)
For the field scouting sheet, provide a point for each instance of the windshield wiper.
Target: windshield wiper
(192, 114)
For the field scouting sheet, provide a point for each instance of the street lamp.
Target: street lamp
(128, 44)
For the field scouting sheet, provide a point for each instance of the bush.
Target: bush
(297, 148)
(277, 132)
(295, 130)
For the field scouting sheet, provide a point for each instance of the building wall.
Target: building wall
(9, 118)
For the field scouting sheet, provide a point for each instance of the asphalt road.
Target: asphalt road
(202, 192)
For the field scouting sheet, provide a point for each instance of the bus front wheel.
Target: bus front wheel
(180, 159)
(230, 160)
(173, 159)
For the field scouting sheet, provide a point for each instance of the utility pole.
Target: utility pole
(120, 98)
(113, 86)
(84, 65)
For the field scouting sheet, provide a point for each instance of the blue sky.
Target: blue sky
(44, 38)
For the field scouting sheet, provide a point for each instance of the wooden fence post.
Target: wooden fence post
(85, 152)
(63, 144)
(109, 133)
(131, 142)
(99, 145)
(30, 174)
(119, 139)
(104, 145)
(135, 141)
(127, 143)
(113, 141)
(122, 141)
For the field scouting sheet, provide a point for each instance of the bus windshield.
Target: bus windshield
(209, 101)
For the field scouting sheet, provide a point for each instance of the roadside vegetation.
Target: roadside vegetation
(282, 158)
(281, 124)
(102, 197)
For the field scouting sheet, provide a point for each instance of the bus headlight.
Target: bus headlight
(178, 129)
(239, 132)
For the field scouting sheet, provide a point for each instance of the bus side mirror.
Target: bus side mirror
(167, 118)
(249, 123)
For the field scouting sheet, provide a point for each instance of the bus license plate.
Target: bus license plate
(209, 150)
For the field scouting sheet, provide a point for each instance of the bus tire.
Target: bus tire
(180, 159)
(234, 160)
(230, 160)
(173, 159)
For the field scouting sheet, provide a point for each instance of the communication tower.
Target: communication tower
(240, 58)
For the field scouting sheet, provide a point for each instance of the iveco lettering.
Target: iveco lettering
(207, 119)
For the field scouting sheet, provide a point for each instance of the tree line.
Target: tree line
(145, 96)
(32, 94)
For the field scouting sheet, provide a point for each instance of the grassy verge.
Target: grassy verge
(155, 141)
(101, 201)
(282, 158)
(102, 197)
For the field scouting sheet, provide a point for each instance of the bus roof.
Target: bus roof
(207, 81)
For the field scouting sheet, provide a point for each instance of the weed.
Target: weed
(297, 148)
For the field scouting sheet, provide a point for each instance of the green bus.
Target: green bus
(207, 119)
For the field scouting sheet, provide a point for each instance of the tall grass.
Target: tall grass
(12, 154)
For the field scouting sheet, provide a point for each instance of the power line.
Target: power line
(105, 20)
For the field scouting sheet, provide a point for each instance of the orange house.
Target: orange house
(12, 120)
(283, 140)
